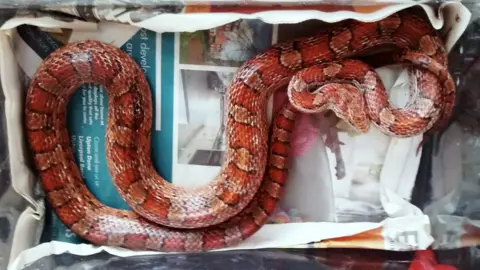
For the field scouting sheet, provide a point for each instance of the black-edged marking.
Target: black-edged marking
(240, 109)
(337, 43)
(265, 197)
(273, 152)
(290, 57)
(41, 95)
(42, 141)
(332, 51)
(259, 215)
(132, 148)
(48, 122)
(46, 69)
(280, 160)
(48, 150)
(391, 32)
(250, 125)
(222, 198)
(117, 71)
(41, 88)
(281, 136)
(137, 194)
(58, 199)
(284, 171)
(274, 190)
(272, 171)
(121, 174)
(289, 114)
(50, 114)
(296, 45)
(82, 226)
(252, 79)
(249, 172)
(135, 107)
(128, 90)
(120, 122)
(125, 135)
(50, 159)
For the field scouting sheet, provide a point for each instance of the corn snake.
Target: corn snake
(238, 202)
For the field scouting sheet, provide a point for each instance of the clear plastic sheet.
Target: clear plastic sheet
(305, 259)
(11, 204)
(241, 260)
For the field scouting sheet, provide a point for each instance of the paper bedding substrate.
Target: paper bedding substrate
(382, 188)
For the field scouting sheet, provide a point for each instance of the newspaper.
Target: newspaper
(189, 73)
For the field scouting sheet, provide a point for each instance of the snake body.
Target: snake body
(238, 202)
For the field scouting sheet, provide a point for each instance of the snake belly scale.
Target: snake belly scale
(238, 202)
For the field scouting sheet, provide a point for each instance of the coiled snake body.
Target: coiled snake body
(238, 202)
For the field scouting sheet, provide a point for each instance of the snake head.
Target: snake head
(357, 118)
